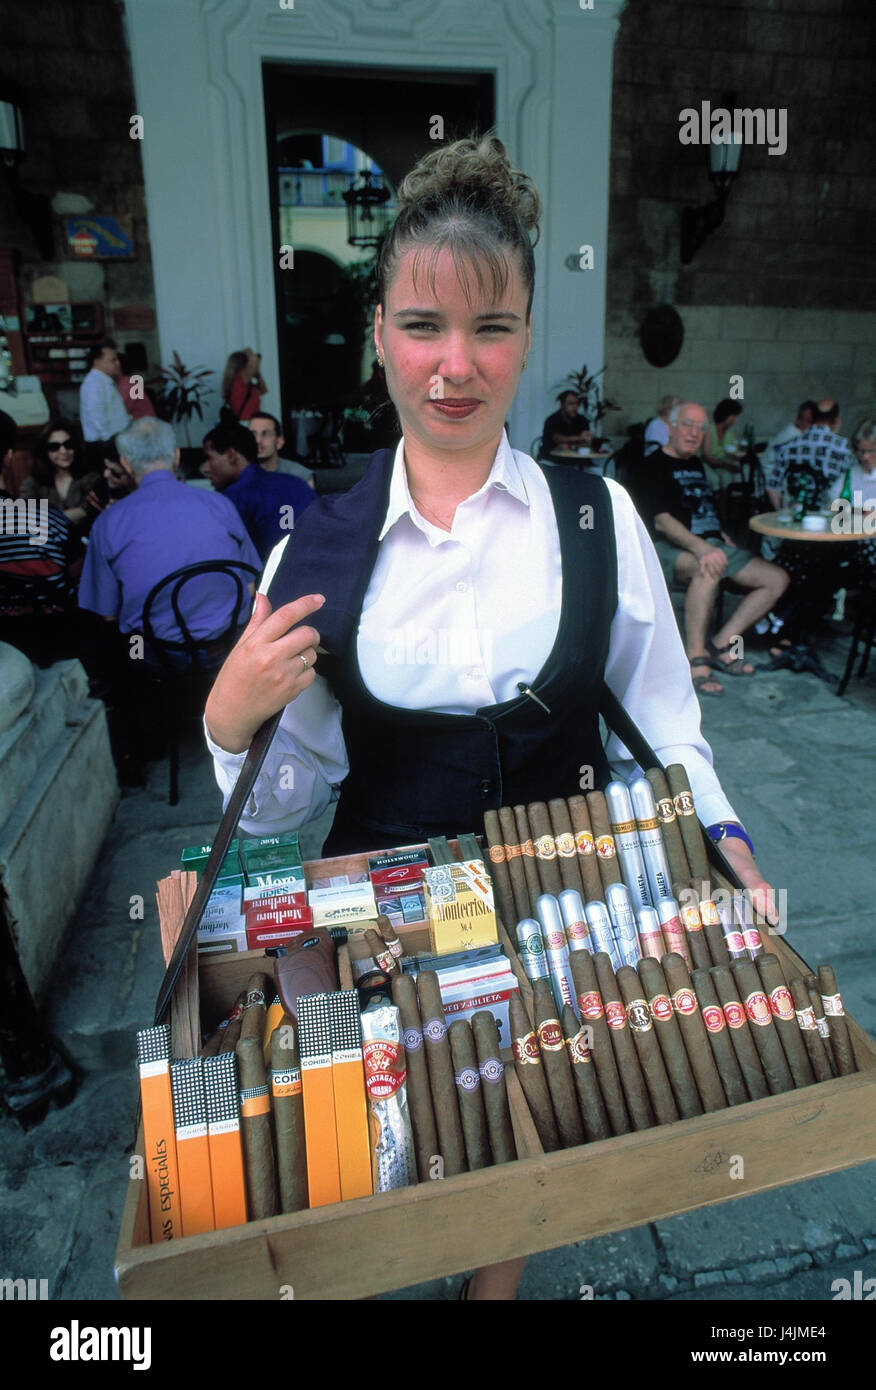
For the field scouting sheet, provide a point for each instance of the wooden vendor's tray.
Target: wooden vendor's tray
(373, 1244)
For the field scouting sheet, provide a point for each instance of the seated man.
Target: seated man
(565, 426)
(267, 502)
(679, 508)
(270, 440)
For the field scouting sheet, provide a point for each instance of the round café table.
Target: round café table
(587, 459)
(802, 657)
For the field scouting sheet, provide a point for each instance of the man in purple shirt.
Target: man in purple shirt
(267, 502)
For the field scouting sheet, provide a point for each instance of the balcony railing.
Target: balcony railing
(314, 188)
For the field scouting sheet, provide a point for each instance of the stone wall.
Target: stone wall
(783, 292)
(71, 63)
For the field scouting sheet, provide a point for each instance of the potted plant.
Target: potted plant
(180, 394)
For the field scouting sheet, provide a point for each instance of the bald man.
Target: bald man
(678, 506)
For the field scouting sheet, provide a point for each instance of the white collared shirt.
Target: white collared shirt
(453, 621)
(102, 411)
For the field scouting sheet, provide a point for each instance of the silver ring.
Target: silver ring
(302, 657)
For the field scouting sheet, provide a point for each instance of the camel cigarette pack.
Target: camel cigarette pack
(459, 904)
(348, 905)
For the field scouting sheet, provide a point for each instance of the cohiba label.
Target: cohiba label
(709, 913)
(781, 1003)
(525, 1049)
(550, 1035)
(492, 1069)
(497, 854)
(565, 843)
(286, 1083)
(467, 1079)
(578, 1049)
(734, 1014)
(691, 919)
(757, 1007)
(833, 1005)
(434, 1030)
(545, 847)
(639, 1016)
(615, 1013)
(605, 847)
(683, 804)
(713, 1018)
(666, 810)
(584, 842)
(661, 1007)
(806, 1020)
(590, 1005)
(685, 1001)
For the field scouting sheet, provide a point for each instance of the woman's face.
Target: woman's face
(60, 449)
(866, 451)
(452, 367)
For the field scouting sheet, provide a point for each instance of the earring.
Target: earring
(380, 361)
(525, 360)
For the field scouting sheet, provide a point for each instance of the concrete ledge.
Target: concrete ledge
(60, 698)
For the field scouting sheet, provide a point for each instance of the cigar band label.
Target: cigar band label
(615, 1013)
(497, 854)
(492, 1069)
(545, 847)
(691, 919)
(577, 931)
(413, 1039)
(752, 940)
(467, 1079)
(683, 804)
(434, 1030)
(584, 842)
(833, 1005)
(823, 1026)
(666, 810)
(709, 913)
(527, 849)
(386, 960)
(734, 1014)
(235, 1013)
(734, 941)
(605, 847)
(661, 1007)
(781, 1003)
(554, 940)
(757, 1007)
(624, 827)
(590, 1005)
(286, 1083)
(713, 1018)
(513, 851)
(652, 823)
(806, 1020)
(550, 1035)
(565, 843)
(578, 1050)
(254, 1101)
(255, 997)
(639, 1016)
(534, 945)
(525, 1050)
(685, 1001)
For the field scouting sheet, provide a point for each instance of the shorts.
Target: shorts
(667, 554)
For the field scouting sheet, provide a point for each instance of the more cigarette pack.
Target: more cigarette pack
(272, 858)
(459, 905)
(196, 856)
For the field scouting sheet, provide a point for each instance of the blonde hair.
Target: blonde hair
(465, 197)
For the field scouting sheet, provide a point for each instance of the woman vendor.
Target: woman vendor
(438, 636)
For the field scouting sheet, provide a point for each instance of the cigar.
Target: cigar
(468, 1094)
(213, 1045)
(514, 860)
(745, 920)
(383, 956)
(590, 1102)
(836, 1021)
(545, 847)
(288, 1104)
(686, 811)
(592, 1012)
(821, 1021)
(781, 1003)
(390, 936)
(650, 933)
(586, 847)
(736, 1019)
(557, 1067)
(574, 920)
(530, 1073)
(556, 949)
(712, 928)
(639, 1106)
(733, 938)
(673, 929)
(645, 1039)
(602, 935)
(720, 1041)
(530, 949)
(255, 1124)
(231, 1031)
(259, 990)
(692, 923)
(651, 838)
(623, 920)
(668, 1034)
(626, 837)
(499, 871)
(766, 1037)
(567, 852)
(493, 1090)
(441, 1077)
(693, 1033)
(679, 869)
(524, 832)
(426, 1146)
(812, 1039)
(606, 849)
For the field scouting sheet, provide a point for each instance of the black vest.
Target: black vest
(417, 773)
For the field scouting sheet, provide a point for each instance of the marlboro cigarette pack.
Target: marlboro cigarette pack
(351, 1107)
(258, 900)
(216, 937)
(162, 1174)
(192, 1145)
(315, 1045)
(223, 1132)
(300, 917)
(260, 938)
(223, 905)
(459, 903)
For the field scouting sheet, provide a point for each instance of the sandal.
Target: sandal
(700, 682)
(735, 667)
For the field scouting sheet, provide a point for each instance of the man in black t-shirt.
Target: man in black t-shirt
(565, 426)
(678, 506)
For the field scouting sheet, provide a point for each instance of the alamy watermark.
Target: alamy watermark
(743, 125)
(25, 517)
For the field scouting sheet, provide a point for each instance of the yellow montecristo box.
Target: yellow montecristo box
(459, 904)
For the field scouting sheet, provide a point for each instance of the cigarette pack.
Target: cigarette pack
(394, 858)
(270, 935)
(255, 893)
(215, 937)
(281, 881)
(398, 876)
(273, 855)
(192, 1145)
(223, 904)
(223, 1134)
(196, 856)
(300, 917)
(269, 901)
(459, 904)
(352, 903)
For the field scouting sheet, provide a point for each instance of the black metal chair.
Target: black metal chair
(863, 633)
(186, 666)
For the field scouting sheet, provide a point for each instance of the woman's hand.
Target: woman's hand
(263, 672)
(761, 893)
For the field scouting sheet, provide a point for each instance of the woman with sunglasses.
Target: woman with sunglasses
(59, 475)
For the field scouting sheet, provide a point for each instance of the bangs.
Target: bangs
(483, 270)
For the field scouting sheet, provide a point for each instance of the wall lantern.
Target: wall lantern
(367, 213)
(699, 223)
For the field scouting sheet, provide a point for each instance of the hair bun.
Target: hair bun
(480, 167)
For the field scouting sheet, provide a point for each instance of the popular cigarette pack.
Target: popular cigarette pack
(274, 857)
(420, 855)
(269, 934)
(196, 856)
(192, 1145)
(162, 1174)
(348, 905)
(223, 904)
(218, 937)
(459, 904)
